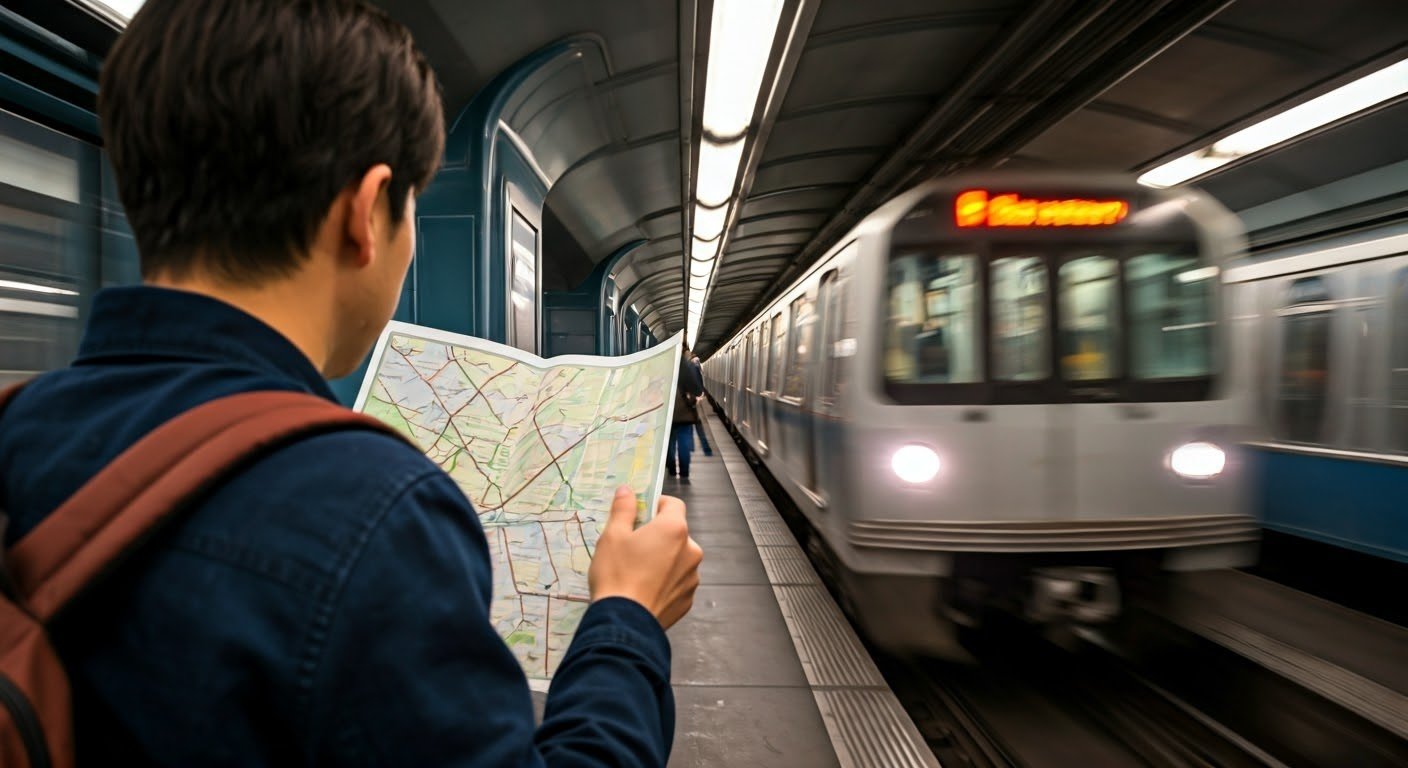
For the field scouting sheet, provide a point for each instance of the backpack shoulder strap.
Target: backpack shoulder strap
(8, 393)
(159, 476)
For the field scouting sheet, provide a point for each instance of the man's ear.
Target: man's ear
(368, 199)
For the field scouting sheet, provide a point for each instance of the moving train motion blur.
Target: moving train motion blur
(1329, 323)
(1005, 391)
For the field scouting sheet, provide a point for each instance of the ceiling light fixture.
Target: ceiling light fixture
(1368, 91)
(741, 38)
(118, 11)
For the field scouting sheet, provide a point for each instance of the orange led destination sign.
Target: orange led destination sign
(976, 208)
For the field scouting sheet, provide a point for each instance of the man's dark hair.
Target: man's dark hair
(233, 124)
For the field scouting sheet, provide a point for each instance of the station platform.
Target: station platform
(767, 671)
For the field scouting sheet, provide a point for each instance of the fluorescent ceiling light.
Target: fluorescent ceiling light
(741, 35)
(118, 10)
(1376, 88)
(704, 250)
(14, 286)
(718, 170)
(709, 222)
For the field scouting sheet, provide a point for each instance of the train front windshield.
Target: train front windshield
(1110, 323)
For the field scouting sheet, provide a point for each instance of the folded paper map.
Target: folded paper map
(539, 446)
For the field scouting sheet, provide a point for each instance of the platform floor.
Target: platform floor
(767, 672)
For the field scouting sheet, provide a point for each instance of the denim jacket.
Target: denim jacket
(329, 605)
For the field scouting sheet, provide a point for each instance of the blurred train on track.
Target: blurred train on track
(1329, 324)
(1006, 391)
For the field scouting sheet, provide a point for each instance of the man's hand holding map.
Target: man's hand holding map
(540, 448)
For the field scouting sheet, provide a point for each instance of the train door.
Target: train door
(1026, 431)
(777, 369)
(745, 385)
(766, 366)
(1138, 337)
(825, 436)
(797, 398)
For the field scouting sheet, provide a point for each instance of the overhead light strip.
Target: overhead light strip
(1368, 91)
(118, 11)
(741, 38)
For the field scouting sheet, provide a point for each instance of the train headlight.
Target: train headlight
(915, 464)
(1197, 461)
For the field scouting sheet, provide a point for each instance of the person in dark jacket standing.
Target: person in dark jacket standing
(699, 423)
(687, 393)
(328, 605)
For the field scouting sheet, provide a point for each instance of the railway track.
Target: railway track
(1156, 694)
(1031, 703)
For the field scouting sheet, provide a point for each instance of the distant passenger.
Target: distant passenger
(699, 423)
(691, 386)
(330, 604)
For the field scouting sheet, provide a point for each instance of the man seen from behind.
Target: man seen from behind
(330, 604)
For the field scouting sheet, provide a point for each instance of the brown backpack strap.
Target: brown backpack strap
(8, 393)
(160, 475)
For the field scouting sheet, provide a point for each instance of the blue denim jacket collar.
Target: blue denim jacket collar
(149, 322)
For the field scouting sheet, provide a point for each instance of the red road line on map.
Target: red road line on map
(556, 577)
(450, 420)
(479, 388)
(568, 450)
(566, 598)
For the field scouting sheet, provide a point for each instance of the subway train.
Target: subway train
(1005, 394)
(1329, 324)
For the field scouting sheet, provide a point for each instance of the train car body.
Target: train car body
(1329, 324)
(1004, 390)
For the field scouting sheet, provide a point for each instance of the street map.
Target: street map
(539, 446)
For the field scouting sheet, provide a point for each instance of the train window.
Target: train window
(1171, 316)
(776, 351)
(1089, 307)
(1305, 362)
(748, 365)
(1398, 365)
(803, 321)
(933, 334)
(1019, 319)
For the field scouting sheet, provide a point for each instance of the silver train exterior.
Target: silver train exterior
(955, 452)
(1329, 324)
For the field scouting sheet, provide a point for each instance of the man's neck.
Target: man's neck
(296, 307)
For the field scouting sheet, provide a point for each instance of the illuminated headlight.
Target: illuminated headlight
(1197, 461)
(915, 464)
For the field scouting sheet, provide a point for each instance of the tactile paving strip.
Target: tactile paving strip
(865, 722)
(758, 508)
(771, 533)
(875, 731)
(787, 565)
(831, 653)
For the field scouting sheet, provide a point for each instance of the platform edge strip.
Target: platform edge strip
(848, 740)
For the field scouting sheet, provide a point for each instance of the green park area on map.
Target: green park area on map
(539, 447)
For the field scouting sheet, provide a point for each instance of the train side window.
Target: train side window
(803, 322)
(1171, 314)
(1019, 319)
(933, 333)
(1398, 365)
(1305, 362)
(776, 352)
(1090, 318)
(764, 363)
